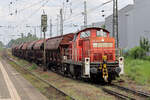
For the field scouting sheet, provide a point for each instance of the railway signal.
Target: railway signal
(50, 26)
(44, 29)
(44, 22)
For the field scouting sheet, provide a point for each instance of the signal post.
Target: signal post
(44, 29)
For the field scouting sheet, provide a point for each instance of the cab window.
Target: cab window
(85, 34)
(101, 33)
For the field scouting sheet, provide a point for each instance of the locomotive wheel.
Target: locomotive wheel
(49, 66)
(92, 78)
(109, 81)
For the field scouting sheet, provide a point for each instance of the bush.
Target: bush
(33, 67)
(144, 43)
(125, 52)
(137, 53)
(147, 58)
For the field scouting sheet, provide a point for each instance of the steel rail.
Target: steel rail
(139, 93)
(121, 96)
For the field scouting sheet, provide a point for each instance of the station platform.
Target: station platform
(15, 87)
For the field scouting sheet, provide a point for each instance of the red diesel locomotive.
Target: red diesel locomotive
(89, 53)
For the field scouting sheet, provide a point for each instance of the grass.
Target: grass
(32, 67)
(1, 49)
(138, 70)
(45, 76)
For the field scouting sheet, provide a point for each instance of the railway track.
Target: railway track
(136, 95)
(118, 95)
(39, 78)
(139, 93)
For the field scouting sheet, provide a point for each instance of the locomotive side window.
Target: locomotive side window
(85, 34)
(101, 33)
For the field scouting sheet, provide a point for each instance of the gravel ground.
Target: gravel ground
(78, 89)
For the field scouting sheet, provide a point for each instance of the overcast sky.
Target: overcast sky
(15, 15)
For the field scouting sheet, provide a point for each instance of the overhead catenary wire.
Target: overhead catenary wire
(30, 6)
(77, 15)
(32, 14)
(65, 22)
(88, 11)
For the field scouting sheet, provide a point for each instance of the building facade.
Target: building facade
(122, 28)
(133, 23)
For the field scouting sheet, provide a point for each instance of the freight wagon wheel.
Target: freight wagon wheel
(49, 66)
(37, 62)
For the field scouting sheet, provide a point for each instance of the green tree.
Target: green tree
(144, 43)
(139, 52)
(103, 26)
(1, 44)
(29, 35)
(23, 39)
